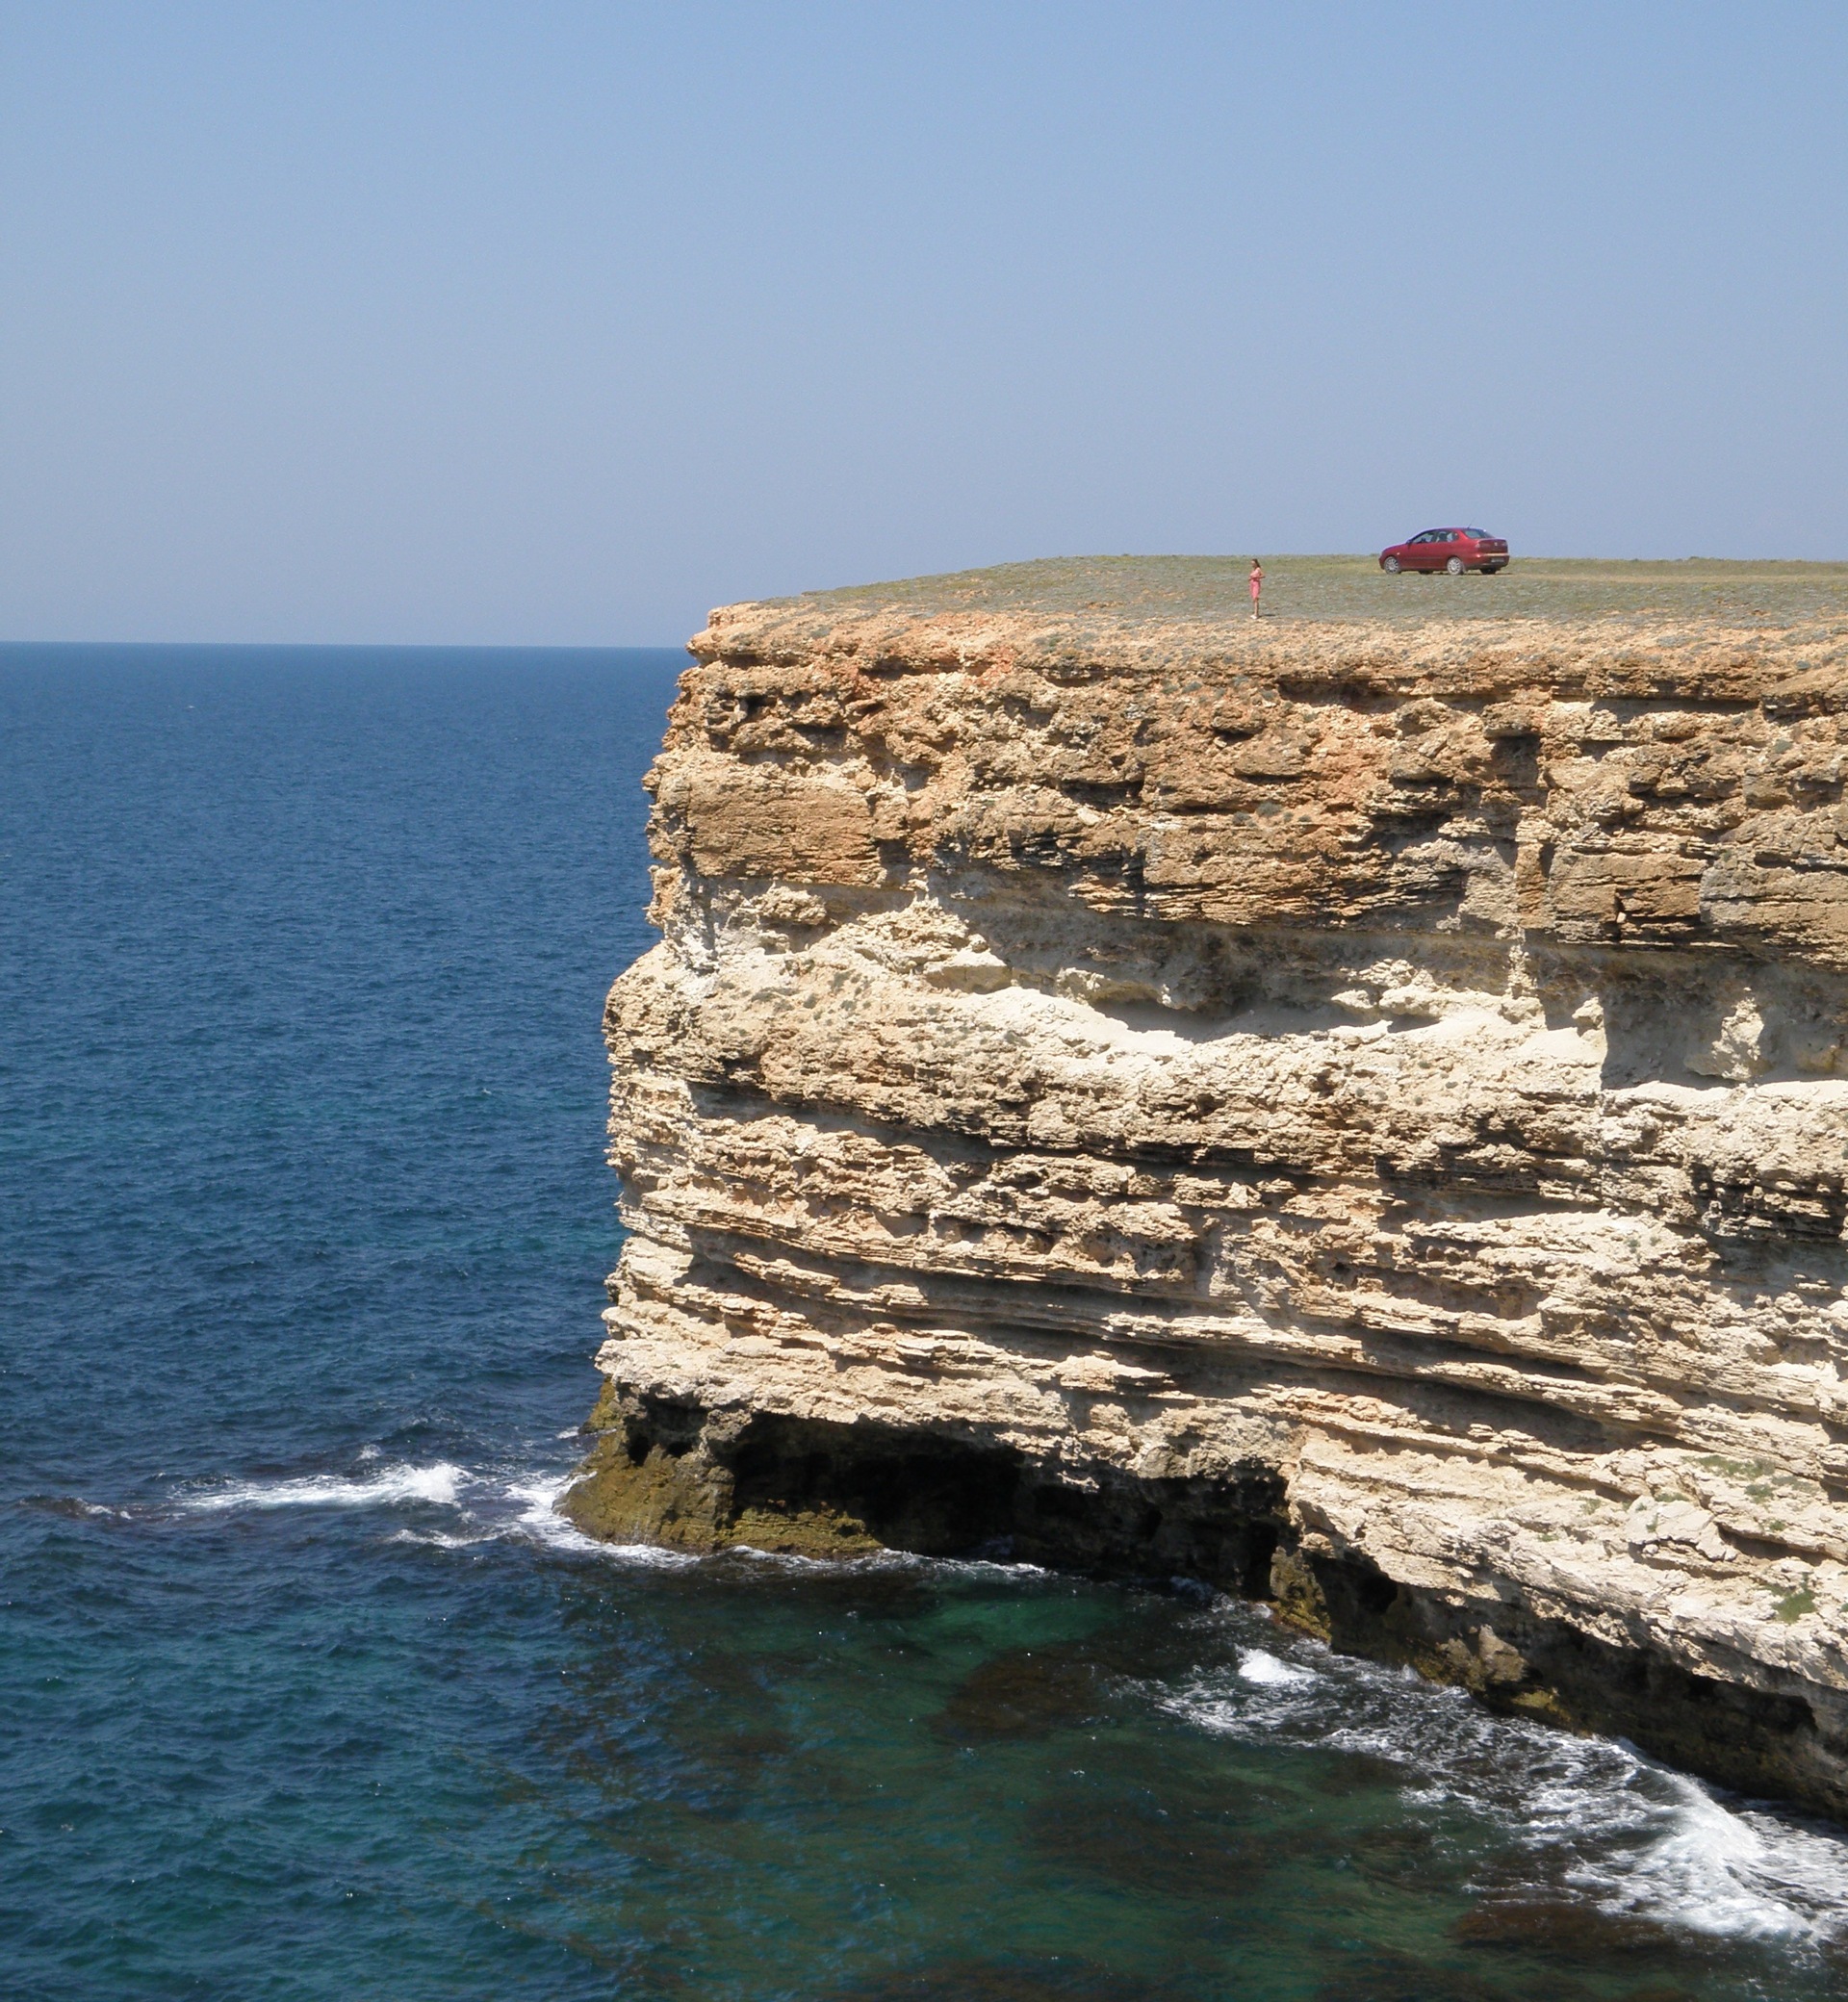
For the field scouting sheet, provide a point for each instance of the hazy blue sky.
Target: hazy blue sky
(561, 323)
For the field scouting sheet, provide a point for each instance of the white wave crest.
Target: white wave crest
(539, 1521)
(440, 1483)
(1733, 1871)
(1256, 1665)
(1593, 1814)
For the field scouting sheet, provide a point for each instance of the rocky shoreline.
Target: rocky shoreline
(1352, 1110)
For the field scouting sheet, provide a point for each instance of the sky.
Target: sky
(559, 323)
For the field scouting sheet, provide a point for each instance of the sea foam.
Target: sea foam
(440, 1483)
(1592, 1816)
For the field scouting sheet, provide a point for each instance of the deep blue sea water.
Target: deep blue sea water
(304, 1690)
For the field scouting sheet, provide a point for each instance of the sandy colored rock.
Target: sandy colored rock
(1357, 1109)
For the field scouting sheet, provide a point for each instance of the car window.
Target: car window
(1425, 537)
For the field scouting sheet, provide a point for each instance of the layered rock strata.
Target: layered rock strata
(1356, 1113)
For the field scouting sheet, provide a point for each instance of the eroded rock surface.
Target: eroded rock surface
(1354, 1113)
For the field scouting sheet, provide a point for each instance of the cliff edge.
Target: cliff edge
(1352, 1107)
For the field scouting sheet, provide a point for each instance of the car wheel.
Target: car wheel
(1390, 565)
(1454, 566)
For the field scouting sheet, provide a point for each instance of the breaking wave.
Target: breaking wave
(1588, 1815)
(538, 1518)
(487, 1506)
(440, 1483)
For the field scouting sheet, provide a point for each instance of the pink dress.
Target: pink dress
(1257, 578)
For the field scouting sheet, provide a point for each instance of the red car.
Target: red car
(1455, 549)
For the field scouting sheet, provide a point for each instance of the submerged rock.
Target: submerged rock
(1023, 1693)
(1353, 1113)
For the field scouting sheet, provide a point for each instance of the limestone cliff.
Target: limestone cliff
(1355, 1106)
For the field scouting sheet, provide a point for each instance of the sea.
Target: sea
(306, 1692)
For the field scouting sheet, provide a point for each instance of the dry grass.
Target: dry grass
(1129, 590)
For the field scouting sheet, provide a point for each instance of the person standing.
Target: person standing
(1257, 585)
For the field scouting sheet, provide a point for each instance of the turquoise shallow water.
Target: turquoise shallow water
(304, 1690)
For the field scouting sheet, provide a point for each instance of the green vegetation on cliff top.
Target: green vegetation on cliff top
(1132, 589)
